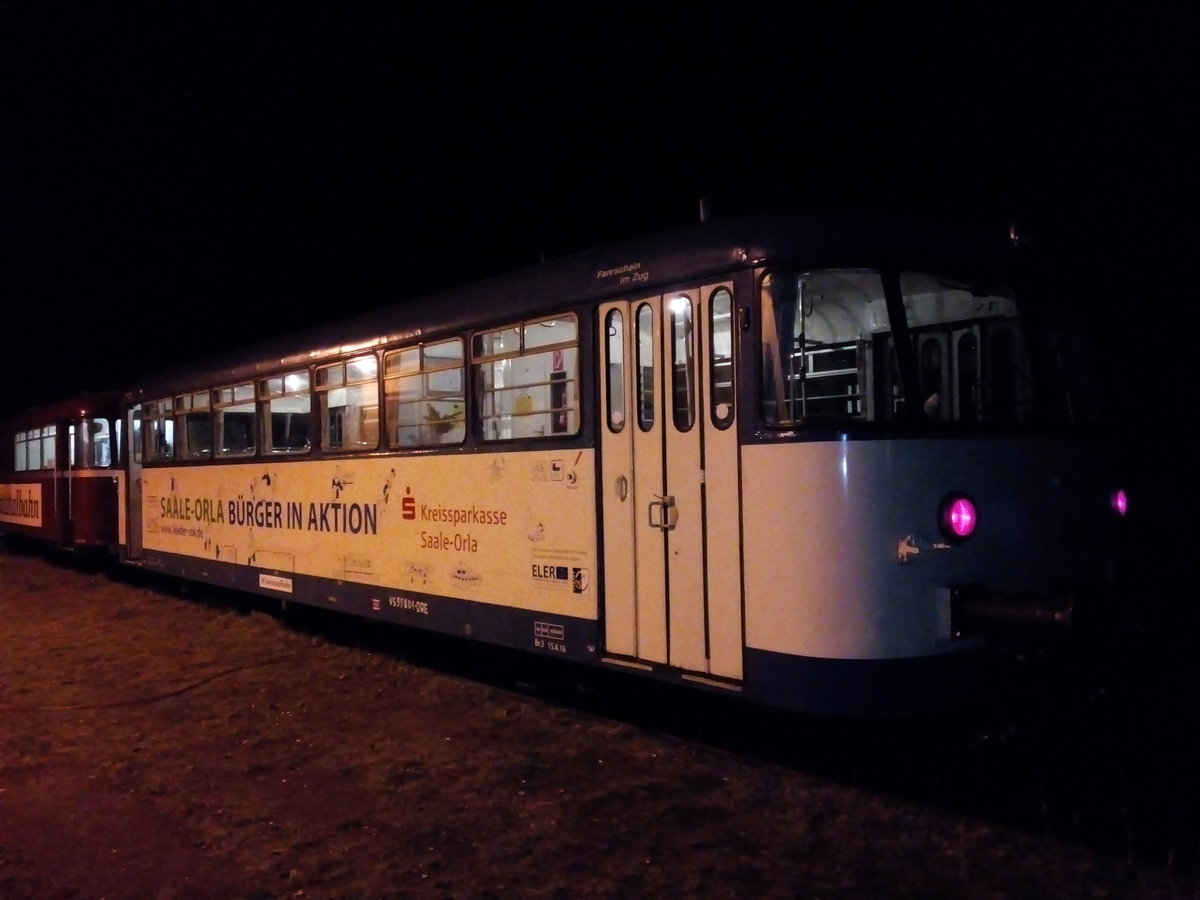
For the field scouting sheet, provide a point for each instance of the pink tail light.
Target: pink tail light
(957, 517)
(1119, 502)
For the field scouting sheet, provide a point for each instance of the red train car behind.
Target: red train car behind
(60, 478)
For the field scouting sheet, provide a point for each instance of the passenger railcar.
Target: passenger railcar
(816, 461)
(60, 480)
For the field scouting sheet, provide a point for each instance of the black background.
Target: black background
(183, 180)
(187, 180)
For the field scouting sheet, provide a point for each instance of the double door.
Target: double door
(670, 482)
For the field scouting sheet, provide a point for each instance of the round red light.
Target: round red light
(957, 517)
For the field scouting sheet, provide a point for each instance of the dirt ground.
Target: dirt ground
(159, 745)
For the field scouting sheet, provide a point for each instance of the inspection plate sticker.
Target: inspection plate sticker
(550, 631)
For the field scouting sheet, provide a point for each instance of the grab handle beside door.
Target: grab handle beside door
(668, 512)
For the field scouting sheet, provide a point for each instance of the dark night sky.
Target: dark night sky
(173, 181)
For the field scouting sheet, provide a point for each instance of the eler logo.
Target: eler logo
(564, 577)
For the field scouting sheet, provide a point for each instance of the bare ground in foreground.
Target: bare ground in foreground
(160, 746)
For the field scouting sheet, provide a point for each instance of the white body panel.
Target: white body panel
(824, 522)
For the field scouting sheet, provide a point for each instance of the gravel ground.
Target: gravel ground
(161, 745)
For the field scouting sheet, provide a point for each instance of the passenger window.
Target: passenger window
(348, 403)
(35, 449)
(233, 420)
(158, 426)
(193, 425)
(527, 377)
(423, 395)
(287, 412)
(21, 451)
(49, 438)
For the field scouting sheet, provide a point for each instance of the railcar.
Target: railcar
(60, 480)
(817, 461)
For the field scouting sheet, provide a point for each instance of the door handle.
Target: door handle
(622, 485)
(668, 512)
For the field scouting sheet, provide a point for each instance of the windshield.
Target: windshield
(830, 350)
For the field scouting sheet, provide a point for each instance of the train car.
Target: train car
(61, 485)
(817, 461)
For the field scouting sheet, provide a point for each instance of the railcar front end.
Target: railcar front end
(866, 592)
(921, 485)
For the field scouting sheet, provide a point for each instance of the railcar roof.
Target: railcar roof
(88, 404)
(639, 265)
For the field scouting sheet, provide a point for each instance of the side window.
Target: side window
(818, 328)
(614, 358)
(720, 361)
(49, 434)
(158, 427)
(348, 404)
(286, 403)
(683, 364)
(971, 359)
(35, 449)
(193, 425)
(135, 436)
(233, 420)
(91, 444)
(527, 379)
(24, 450)
(423, 395)
(645, 367)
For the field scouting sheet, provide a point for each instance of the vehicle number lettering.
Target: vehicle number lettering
(408, 604)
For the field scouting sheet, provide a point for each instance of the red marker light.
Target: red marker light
(1119, 502)
(957, 517)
